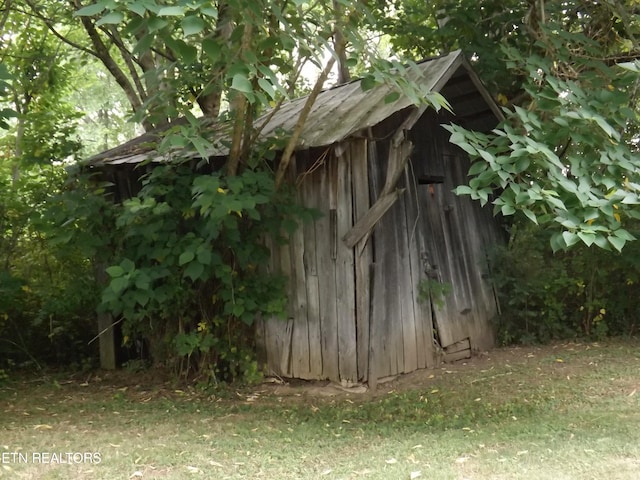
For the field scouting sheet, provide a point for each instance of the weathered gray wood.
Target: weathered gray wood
(360, 182)
(481, 227)
(107, 342)
(278, 336)
(345, 275)
(364, 225)
(300, 367)
(455, 243)
(261, 345)
(426, 356)
(398, 157)
(310, 195)
(454, 357)
(278, 332)
(405, 290)
(326, 271)
(386, 327)
(397, 161)
(458, 346)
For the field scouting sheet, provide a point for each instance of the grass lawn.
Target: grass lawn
(566, 411)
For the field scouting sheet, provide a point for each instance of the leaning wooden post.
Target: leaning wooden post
(106, 334)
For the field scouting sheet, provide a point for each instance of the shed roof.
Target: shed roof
(341, 112)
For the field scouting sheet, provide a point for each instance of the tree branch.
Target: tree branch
(102, 53)
(128, 59)
(57, 34)
(240, 106)
(304, 114)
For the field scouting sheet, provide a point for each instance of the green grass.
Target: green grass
(559, 412)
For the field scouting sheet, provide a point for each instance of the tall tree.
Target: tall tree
(193, 57)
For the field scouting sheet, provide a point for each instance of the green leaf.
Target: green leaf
(174, 11)
(154, 24)
(209, 12)
(470, 150)
(508, 210)
(186, 257)
(521, 164)
(141, 297)
(557, 242)
(601, 242)
(368, 82)
(570, 238)
(90, 10)
(204, 256)
(477, 167)
(238, 310)
(192, 25)
(137, 8)
(463, 190)
(623, 234)
(587, 238)
(128, 265)
(115, 271)
(267, 87)
(188, 53)
(118, 284)
(530, 215)
(144, 44)
(212, 49)
(194, 271)
(617, 242)
(241, 83)
(392, 97)
(112, 18)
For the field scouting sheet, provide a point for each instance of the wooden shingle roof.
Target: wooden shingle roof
(340, 112)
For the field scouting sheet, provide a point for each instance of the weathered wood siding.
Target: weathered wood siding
(319, 338)
(458, 237)
(356, 314)
(401, 324)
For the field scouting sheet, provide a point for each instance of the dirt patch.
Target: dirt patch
(564, 359)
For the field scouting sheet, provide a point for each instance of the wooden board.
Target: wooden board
(417, 250)
(455, 229)
(345, 274)
(362, 256)
(309, 194)
(386, 326)
(326, 271)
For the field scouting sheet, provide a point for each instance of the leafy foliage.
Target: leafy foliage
(567, 158)
(193, 274)
(584, 292)
(567, 155)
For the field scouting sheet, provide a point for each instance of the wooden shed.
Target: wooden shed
(394, 276)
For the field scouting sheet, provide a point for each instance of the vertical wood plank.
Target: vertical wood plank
(345, 274)
(417, 251)
(300, 367)
(363, 255)
(405, 290)
(383, 360)
(310, 197)
(326, 273)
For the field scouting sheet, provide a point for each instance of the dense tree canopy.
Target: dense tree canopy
(567, 153)
(78, 76)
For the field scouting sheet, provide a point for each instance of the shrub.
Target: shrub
(583, 292)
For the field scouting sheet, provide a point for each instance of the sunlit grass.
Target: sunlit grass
(562, 412)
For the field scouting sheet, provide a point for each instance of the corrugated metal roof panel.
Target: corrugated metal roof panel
(336, 114)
